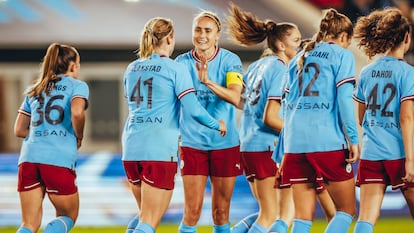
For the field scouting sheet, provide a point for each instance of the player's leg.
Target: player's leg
(286, 208)
(194, 166)
(304, 197)
(328, 207)
(409, 197)
(132, 170)
(31, 193)
(225, 165)
(371, 197)
(155, 202)
(31, 205)
(222, 191)
(343, 195)
(194, 186)
(67, 209)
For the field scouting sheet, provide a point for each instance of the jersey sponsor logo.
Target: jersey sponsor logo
(45, 133)
(385, 125)
(139, 120)
(309, 106)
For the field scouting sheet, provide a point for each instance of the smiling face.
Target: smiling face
(205, 35)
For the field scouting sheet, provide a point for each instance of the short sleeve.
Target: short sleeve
(25, 106)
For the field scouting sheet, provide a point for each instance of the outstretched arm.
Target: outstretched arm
(191, 106)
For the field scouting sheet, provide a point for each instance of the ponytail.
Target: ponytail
(330, 27)
(56, 61)
(246, 30)
(155, 30)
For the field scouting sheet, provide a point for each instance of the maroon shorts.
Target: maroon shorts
(56, 180)
(279, 182)
(316, 168)
(159, 174)
(258, 165)
(388, 172)
(219, 163)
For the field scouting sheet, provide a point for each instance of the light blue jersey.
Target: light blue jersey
(154, 89)
(382, 86)
(192, 134)
(263, 81)
(51, 138)
(313, 122)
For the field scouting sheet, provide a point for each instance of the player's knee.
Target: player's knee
(193, 214)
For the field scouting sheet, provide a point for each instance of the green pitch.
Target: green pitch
(388, 225)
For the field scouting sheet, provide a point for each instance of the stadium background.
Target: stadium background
(106, 33)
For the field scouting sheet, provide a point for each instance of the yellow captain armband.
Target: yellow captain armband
(234, 78)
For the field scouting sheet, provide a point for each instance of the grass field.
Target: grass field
(389, 225)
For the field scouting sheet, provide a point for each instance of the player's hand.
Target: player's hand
(202, 69)
(353, 153)
(409, 171)
(223, 128)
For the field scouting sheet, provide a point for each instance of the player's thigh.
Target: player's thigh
(31, 204)
(194, 187)
(304, 197)
(155, 202)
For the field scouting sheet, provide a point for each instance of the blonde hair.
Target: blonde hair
(210, 15)
(56, 61)
(154, 31)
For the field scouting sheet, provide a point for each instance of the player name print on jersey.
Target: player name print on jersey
(381, 74)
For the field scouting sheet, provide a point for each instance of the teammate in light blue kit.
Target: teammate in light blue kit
(320, 125)
(385, 96)
(263, 81)
(51, 121)
(217, 77)
(156, 87)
